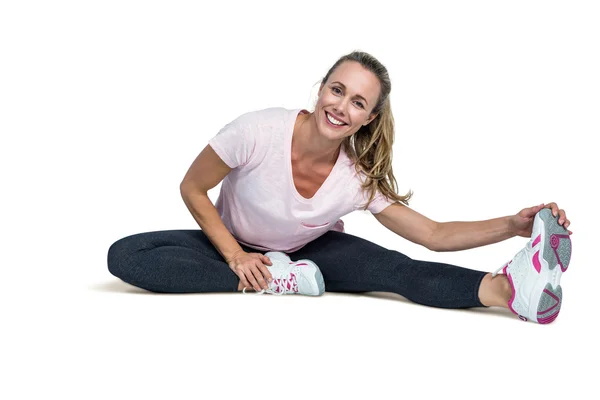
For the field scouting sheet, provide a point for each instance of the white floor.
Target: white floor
(108, 339)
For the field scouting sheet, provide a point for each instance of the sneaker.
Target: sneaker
(534, 272)
(293, 277)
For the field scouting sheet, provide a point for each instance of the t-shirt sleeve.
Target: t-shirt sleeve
(379, 203)
(236, 141)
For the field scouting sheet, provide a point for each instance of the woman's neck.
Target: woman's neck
(310, 146)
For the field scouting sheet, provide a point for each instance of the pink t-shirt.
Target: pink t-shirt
(258, 201)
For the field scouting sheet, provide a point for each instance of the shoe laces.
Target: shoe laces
(498, 270)
(280, 285)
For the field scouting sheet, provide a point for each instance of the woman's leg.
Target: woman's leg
(173, 261)
(352, 264)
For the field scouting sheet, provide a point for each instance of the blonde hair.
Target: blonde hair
(370, 148)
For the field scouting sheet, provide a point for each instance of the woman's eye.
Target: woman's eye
(358, 102)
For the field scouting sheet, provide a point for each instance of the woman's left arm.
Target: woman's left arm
(454, 236)
(458, 235)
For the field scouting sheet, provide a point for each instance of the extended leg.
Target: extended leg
(352, 264)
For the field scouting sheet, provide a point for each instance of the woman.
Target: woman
(289, 175)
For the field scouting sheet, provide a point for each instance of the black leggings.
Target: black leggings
(185, 261)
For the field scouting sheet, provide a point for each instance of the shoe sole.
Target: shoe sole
(555, 251)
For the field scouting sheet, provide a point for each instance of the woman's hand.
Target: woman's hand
(521, 224)
(250, 269)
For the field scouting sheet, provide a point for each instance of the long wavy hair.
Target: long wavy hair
(370, 148)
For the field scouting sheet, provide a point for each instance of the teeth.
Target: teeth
(334, 121)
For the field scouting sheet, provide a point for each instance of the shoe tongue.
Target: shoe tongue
(276, 255)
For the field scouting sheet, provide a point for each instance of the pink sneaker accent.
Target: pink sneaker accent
(291, 284)
(536, 261)
(536, 257)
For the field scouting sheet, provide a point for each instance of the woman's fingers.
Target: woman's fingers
(563, 217)
(243, 279)
(262, 274)
(265, 260)
(252, 276)
(265, 273)
(553, 207)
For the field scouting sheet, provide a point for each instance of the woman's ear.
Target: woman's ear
(371, 119)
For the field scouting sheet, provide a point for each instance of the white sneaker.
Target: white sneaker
(293, 277)
(534, 272)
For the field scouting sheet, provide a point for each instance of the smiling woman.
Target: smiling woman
(289, 175)
(355, 92)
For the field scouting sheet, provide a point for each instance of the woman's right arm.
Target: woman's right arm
(207, 216)
(205, 173)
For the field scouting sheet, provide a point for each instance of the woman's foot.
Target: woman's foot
(534, 273)
(293, 277)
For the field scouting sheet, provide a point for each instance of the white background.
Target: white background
(104, 106)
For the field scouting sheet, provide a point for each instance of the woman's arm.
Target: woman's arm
(443, 236)
(204, 174)
(409, 224)
(458, 235)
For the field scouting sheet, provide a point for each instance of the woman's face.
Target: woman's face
(349, 96)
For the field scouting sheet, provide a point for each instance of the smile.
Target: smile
(333, 121)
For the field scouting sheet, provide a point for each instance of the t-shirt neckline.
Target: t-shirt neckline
(288, 159)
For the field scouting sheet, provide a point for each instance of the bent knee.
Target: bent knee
(117, 257)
